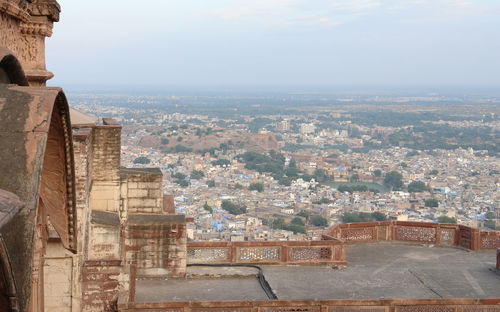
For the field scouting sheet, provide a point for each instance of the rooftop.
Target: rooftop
(375, 270)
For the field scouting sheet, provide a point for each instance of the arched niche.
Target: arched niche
(10, 205)
(11, 71)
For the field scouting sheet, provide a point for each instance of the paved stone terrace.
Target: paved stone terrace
(375, 270)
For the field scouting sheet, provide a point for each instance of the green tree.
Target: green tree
(378, 216)
(320, 175)
(179, 176)
(286, 181)
(259, 187)
(224, 146)
(238, 186)
(221, 162)
(354, 177)
(490, 220)
(142, 160)
(351, 189)
(164, 141)
(179, 139)
(352, 217)
(295, 228)
(298, 221)
(377, 173)
(417, 187)
(197, 174)
(446, 219)
(319, 221)
(183, 183)
(182, 149)
(431, 202)
(207, 207)
(233, 208)
(322, 200)
(303, 214)
(434, 172)
(393, 180)
(211, 183)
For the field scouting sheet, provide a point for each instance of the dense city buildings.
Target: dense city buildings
(333, 162)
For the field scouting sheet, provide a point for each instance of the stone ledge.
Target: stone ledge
(155, 219)
(105, 218)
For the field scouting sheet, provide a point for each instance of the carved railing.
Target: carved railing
(327, 251)
(383, 305)
(489, 240)
(421, 232)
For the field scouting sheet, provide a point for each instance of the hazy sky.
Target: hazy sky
(276, 42)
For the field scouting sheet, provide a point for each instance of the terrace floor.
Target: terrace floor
(374, 271)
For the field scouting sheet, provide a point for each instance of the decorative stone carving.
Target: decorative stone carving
(259, 253)
(363, 234)
(448, 237)
(207, 255)
(310, 253)
(481, 309)
(49, 8)
(490, 242)
(356, 309)
(16, 9)
(220, 310)
(416, 234)
(24, 28)
(33, 28)
(25, 47)
(426, 308)
(290, 309)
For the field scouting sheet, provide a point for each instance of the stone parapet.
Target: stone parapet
(156, 244)
(419, 232)
(141, 190)
(106, 157)
(102, 283)
(329, 251)
(342, 305)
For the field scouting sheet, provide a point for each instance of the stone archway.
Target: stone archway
(11, 71)
(8, 298)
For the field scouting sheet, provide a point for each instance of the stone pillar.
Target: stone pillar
(106, 156)
(82, 147)
(25, 25)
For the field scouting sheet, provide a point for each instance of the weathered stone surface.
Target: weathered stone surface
(26, 116)
(10, 205)
(156, 244)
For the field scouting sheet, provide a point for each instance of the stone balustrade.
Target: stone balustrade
(382, 305)
(326, 251)
(420, 232)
